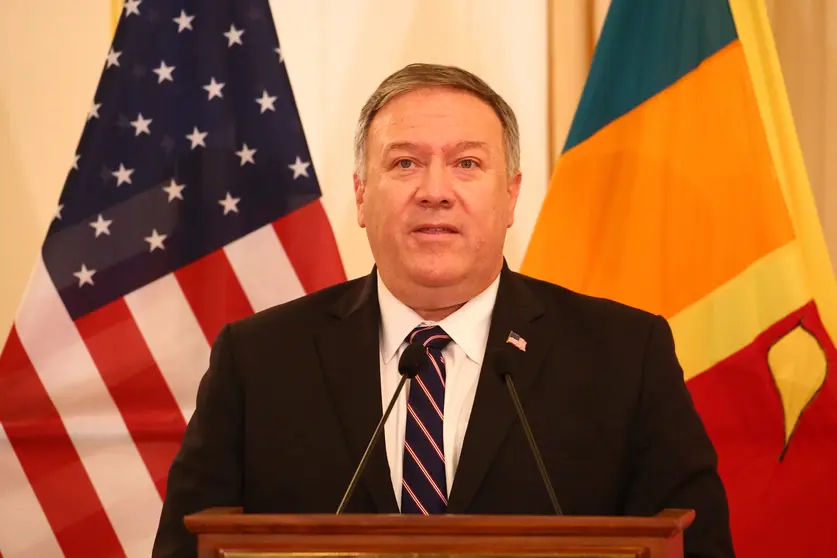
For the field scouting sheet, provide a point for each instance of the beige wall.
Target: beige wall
(50, 60)
(336, 52)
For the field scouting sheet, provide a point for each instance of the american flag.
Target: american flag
(517, 341)
(191, 202)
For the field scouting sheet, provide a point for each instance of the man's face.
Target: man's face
(437, 200)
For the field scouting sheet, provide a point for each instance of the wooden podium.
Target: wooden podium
(227, 533)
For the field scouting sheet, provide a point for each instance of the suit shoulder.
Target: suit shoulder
(302, 312)
(619, 335)
(587, 307)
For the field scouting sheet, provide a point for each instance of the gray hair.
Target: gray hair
(419, 76)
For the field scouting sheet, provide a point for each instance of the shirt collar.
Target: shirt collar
(468, 327)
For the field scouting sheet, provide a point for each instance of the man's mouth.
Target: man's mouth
(436, 229)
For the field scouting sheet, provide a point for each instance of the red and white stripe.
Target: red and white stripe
(426, 433)
(419, 330)
(415, 499)
(438, 370)
(174, 337)
(426, 474)
(92, 410)
(429, 397)
(433, 338)
(24, 529)
(264, 269)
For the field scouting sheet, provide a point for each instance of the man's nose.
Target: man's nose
(436, 187)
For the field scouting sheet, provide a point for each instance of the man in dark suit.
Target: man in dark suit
(293, 394)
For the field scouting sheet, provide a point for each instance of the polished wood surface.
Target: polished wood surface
(228, 533)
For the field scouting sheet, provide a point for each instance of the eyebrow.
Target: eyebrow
(465, 145)
(410, 146)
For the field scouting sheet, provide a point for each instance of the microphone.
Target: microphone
(503, 367)
(409, 365)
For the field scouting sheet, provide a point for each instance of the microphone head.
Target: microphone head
(503, 365)
(412, 359)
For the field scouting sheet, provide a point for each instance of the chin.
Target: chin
(438, 274)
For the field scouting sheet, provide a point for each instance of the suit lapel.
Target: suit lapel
(515, 309)
(349, 352)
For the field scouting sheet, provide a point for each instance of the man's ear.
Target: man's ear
(360, 189)
(513, 188)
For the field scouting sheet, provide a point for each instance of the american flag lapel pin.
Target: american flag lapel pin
(517, 341)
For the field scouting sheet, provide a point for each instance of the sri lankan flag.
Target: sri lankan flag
(681, 190)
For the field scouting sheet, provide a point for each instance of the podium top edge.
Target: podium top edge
(232, 520)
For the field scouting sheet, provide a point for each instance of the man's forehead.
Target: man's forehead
(450, 131)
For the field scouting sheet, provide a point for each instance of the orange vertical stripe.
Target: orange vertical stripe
(667, 203)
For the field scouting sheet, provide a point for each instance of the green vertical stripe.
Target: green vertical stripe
(645, 46)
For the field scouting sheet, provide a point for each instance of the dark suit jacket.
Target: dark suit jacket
(293, 394)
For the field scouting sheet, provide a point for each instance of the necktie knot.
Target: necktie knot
(432, 337)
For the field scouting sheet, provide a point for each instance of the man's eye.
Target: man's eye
(468, 163)
(405, 163)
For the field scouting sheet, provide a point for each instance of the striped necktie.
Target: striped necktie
(424, 486)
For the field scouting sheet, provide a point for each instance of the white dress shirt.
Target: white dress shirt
(468, 329)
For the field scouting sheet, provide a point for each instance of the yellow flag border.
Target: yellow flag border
(754, 32)
(115, 12)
